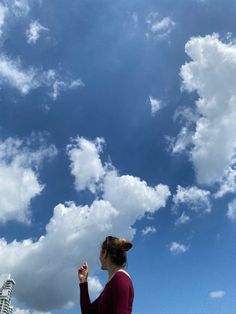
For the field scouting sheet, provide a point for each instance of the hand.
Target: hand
(83, 273)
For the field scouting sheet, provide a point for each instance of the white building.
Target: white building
(5, 296)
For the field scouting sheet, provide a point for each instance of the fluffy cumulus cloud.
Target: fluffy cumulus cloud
(132, 196)
(53, 259)
(177, 248)
(159, 27)
(211, 73)
(217, 294)
(34, 31)
(86, 165)
(19, 178)
(12, 73)
(195, 199)
(156, 105)
(231, 213)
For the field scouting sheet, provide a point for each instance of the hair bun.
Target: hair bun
(125, 245)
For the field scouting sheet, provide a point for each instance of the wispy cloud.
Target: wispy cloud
(183, 219)
(156, 105)
(3, 12)
(148, 230)
(13, 74)
(34, 31)
(159, 27)
(231, 213)
(217, 294)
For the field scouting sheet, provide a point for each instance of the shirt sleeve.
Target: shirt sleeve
(85, 304)
(120, 296)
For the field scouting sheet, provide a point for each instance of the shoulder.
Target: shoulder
(121, 278)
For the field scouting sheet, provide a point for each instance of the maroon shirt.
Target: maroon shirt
(116, 298)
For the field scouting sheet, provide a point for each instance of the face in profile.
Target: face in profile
(102, 258)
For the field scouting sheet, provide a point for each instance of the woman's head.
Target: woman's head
(116, 248)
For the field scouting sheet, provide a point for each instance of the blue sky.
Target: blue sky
(119, 118)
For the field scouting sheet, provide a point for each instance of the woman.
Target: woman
(118, 294)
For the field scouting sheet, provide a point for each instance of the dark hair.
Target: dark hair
(116, 248)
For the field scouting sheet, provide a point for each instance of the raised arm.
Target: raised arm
(86, 306)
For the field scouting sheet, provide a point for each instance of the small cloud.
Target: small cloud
(183, 219)
(12, 73)
(135, 18)
(177, 248)
(156, 105)
(196, 199)
(159, 27)
(217, 294)
(58, 84)
(231, 213)
(181, 142)
(34, 31)
(148, 230)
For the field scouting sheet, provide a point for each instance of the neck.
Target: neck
(112, 270)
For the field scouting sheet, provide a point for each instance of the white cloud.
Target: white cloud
(13, 74)
(10, 12)
(86, 165)
(18, 310)
(211, 74)
(19, 7)
(73, 236)
(34, 31)
(19, 182)
(156, 105)
(183, 140)
(60, 85)
(132, 196)
(3, 12)
(177, 248)
(159, 27)
(183, 219)
(148, 230)
(217, 294)
(227, 183)
(231, 213)
(196, 199)
(95, 286)
(3, 278)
